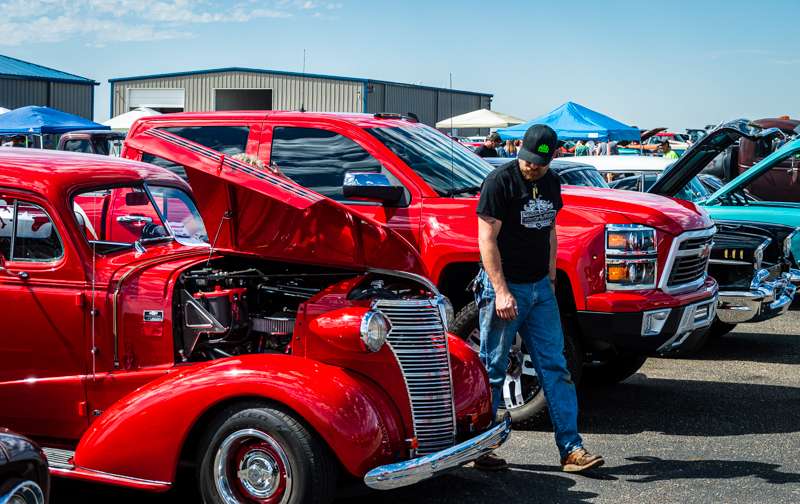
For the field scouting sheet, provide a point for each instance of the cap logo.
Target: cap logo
(544, 149)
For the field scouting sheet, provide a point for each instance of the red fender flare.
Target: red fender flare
(141, 436)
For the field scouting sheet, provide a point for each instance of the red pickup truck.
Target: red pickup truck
(288, 351)
(632, 275)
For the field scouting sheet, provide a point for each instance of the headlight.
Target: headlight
(631, 257)
(374, 329)
(446, 311)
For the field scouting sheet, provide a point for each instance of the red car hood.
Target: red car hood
(246, 209)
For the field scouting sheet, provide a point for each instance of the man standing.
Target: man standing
(516, 287)
(490, 145)
(666, 148)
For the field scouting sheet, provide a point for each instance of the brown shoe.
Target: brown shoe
(581, 460)
(490, 462)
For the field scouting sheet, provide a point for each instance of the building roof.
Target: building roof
(12, 67)
(292, 74)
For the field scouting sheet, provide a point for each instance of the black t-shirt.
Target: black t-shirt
(484, 151)
(528, 212)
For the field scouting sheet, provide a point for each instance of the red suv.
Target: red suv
(631, 267)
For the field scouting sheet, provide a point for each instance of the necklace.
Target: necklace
(535, 191)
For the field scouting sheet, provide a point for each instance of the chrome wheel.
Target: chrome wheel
(521, 384)
(251, 466)
(27, 492)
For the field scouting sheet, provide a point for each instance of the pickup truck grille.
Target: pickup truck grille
(419, 342)
(690, 265)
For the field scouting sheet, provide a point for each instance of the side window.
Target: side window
(165, 163)
(27, 233)
(318, 159)
(78, 146)
(228, 140)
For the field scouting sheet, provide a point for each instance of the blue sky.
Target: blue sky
(676, 64)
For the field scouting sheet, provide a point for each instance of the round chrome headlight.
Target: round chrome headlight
(374, 329)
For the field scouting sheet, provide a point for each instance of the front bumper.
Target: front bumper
(766, 299)
(655, 331)
(408, 472)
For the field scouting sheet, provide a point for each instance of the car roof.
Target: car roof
(57, 172)
(624, 163)
(361, 120)
(558, 164)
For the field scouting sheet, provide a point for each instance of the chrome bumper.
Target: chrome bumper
(400, 474)
(794, 277)
(765, 299)
(694, 319)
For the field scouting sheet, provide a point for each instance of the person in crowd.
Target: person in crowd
(515, 289)
(489, 146)
(612, 148)
(581, 149)
(508, 150)
(667, 151)
(600, 148)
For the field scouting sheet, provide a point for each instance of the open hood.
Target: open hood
(699, 155)
(792, 148)
(647, 134)
(251, 210)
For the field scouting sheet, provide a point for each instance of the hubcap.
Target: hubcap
(521, 384)
(27, 492)
(251, 466)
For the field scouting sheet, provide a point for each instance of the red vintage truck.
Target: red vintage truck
(264, 340)
(631, 267)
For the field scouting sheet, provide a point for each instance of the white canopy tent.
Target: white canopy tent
(482, 118)
(126, 120)
(3, 110)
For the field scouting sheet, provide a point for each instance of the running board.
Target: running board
(58, 458)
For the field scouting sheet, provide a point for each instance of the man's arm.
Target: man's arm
(553, 251)
(488, 229)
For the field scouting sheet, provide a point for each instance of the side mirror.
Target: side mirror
(374, 186)
(136, 199)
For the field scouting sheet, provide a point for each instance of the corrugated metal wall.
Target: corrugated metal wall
(431, 105)
(288, 92)
(72, 98)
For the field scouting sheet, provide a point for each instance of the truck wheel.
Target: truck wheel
(719, 328)
(523, 396)
(17, 491)
(613, 370)
(263, 455)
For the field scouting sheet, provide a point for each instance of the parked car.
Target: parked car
(299, 344)
(103, 142)
(782, 183)
(423, 185)
(760, 281)
(24, 478)
(571, 173)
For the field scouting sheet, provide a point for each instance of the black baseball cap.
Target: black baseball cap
(538, 145)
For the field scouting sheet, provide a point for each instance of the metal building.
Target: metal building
(23, 83)
(255, 89)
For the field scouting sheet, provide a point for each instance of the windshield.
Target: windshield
(122, 217)
(108, 146)
(447, 166)
(582, 177)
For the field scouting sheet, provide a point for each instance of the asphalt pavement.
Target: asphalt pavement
(720, 426)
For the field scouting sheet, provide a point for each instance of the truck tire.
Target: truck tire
(530, 404)
(256, 454)
(21, 491)
(719, 329)
(613, 370)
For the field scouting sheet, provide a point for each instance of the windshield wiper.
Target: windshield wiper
(462, 190)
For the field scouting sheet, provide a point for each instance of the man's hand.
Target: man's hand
(505, 305)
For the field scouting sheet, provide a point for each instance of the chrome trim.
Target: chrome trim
(689, 324)
(765, 300)
(729, 262)
(675, 252)
(364, 328)
(56, 457)
(418, 340)
(787, 246)
(758, 254)
(410, 276)
(29, 491)
(400, 474)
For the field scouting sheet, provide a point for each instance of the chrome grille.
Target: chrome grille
(687, 265)
(419, 342)
(58, 458)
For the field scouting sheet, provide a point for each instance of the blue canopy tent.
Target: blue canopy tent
(33, 120)
(575, 122)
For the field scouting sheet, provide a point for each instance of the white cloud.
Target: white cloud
(102, 21)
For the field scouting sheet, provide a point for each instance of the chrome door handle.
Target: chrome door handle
(134, 219)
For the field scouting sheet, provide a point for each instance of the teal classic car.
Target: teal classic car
(757, 246)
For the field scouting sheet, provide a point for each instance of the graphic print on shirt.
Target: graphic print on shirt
(538, 213)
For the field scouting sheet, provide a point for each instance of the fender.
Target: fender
(470, 387)
(142, 435)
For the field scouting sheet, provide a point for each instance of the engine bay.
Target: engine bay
(229, 307)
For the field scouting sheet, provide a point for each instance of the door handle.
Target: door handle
(134, 219)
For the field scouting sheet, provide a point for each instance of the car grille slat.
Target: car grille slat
(418, 340)
(691, 267)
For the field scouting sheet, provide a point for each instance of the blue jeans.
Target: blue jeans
(539, 325)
